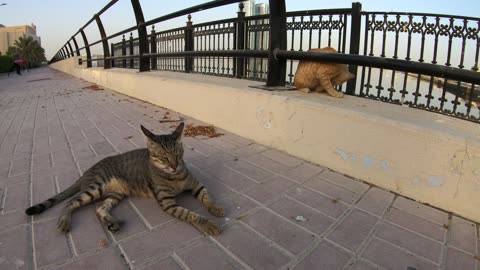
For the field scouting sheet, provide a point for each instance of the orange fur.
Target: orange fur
(321, 76)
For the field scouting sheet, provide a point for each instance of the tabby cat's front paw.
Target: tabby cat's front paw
(207, 226)
(63, 224)
(216, 210)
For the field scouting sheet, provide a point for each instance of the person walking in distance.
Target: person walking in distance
(17, 62)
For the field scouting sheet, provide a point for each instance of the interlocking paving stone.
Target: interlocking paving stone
(421, 210)
(376, 201)
(103, 260)
(51, 246)
(51, 130)
(303, 216)
(415, 243)
(353, 230)
(417, 224)
(462, 234)
(328, 206)
(257, 252)
(205, 255)
(15, 251)
(324, 256)
(391, 257)
(158, 242)
(271, 189)
(166, 264)
(285, 233)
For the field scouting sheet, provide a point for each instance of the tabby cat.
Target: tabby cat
(321, 76)
(156, 171)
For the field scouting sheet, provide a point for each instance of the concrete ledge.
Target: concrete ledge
(428, 157)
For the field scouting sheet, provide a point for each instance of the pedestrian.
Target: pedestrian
(17, 62)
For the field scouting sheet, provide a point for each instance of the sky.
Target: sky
(58, 20)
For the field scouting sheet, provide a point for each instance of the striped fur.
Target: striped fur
(157, 171)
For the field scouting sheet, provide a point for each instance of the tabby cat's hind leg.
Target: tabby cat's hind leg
(168, 204)
(103, 211)
(84, 198)
(327, 85)
(201, 193)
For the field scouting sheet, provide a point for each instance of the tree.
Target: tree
(28, 49)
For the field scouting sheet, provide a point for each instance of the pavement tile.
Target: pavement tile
(216, 189)
(391, 257)
(271, 189)
(87, 232)
(15, 249)
(302, 215)
(232, 178)
(284, 233)
(376, 201)
(158, 242)
(249, 150)
(329, 207)
(6, 181)
(421, 210)
(12, 219)
(457, 259)
(19, 166)
(205, 255)
(108, 259)
(333, 191)
(462, 234)
(166, 264)
(103, 148)
(51, 247)
(353, 230)
(324, 256)
(267, 163)
(249, 169)
(282, 157)
(237, 140)
(16, 197)
(42, 162)
(221, 144)
(303, 172)
(362, 265)
(260, 254)
(236, 208)
(415, 243)
(150, 210)
(343, 181)
(417, 224)
(129, 223)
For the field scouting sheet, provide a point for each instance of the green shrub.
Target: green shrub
(6, 62)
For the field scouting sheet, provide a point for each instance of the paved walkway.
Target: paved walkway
(282, 212)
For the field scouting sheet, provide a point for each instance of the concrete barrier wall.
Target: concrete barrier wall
(425, 156)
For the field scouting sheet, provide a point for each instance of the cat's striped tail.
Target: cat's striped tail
(41, 207)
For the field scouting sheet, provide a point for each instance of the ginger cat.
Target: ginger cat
(321, 76)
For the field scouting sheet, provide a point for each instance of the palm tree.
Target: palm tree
(28, 49)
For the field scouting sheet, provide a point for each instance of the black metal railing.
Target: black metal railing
(427, 61)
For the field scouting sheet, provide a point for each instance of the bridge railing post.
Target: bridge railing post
(278, 41)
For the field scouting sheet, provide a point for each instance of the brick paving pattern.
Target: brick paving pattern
(282, 212)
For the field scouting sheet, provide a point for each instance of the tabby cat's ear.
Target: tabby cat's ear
(177, 134)
(147, 133)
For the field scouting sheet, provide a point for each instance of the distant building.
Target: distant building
(8, 35)
(258, 40)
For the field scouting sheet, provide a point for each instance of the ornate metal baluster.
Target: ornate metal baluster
(320, 28)
(311, 27)
(330, 22)
(291, 26)
(365, 48)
